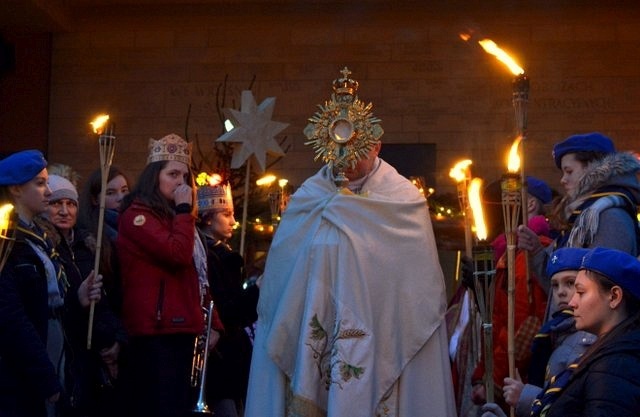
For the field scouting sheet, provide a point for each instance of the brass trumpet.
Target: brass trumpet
(199, 364)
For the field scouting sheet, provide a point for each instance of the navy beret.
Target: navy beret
(588, 142)
(565, 259)
(620, 267)
(539, 189)
(21, 167)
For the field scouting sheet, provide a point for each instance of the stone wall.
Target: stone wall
(427, 85)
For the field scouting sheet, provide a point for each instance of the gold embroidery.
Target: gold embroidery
(325, 352)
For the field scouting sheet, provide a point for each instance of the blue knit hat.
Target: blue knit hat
(620, 267)
(565, 259)
(588, 142)
(539, 189)
(21, 167)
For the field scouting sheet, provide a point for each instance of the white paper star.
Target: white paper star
(254, 131)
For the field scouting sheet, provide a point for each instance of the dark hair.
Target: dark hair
(147, 190)
(5, 195)
(631, 303)
(586, 157)
(632, 309)
(557, 217)
(88, 217)
(89, 208)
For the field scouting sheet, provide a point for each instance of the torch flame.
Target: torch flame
(5, 217)
(459, 170)
(99, 123)
(513, 161)
(490, 47)
(266, 180)
(476, 208)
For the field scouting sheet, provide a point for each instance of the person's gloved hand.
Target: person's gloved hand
(492, 410)
(466, 271)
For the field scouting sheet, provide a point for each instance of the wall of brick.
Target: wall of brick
(426, 84)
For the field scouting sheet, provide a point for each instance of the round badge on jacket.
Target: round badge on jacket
(139, 220)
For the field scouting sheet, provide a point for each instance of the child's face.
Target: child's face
(562, 287)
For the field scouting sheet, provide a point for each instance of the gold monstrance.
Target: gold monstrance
(344, 130)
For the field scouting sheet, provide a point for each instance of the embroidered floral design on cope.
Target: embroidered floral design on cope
(325, 353)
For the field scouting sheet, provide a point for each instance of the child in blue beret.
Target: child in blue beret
(33, 296)
(605, 381)
(557, 344)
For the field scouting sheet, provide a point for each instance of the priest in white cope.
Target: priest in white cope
(352, 301)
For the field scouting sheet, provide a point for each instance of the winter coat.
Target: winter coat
(601, 211)
(228, 371)
(570, 345)
(161, 291)
(27, 376)
(87, 375)
(607, 383)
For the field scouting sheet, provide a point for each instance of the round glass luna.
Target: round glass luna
(341, 130)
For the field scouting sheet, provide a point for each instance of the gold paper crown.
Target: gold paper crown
(169, 148)
(214, 197)
(344, 130)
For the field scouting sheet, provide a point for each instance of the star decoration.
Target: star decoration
(254, 131)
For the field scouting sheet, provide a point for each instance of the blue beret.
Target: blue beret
(565, 259)
(539, 189)
(588, 142)
(620, 267)
(21, 167)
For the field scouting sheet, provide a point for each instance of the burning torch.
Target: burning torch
(484, 282)
(106, 144)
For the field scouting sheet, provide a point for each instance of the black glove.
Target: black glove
(467, 269)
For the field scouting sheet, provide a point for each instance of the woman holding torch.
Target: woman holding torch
(599, 206)
(93, 372)
(33, 296)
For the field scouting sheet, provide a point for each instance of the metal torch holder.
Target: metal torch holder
(484, 286)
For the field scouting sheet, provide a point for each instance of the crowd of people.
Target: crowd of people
(350, 314)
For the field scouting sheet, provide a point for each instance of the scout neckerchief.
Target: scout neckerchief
(548, 396)
(583, 220)
(543, 344)
(44, 248)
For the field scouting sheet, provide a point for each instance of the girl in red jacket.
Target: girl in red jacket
(164, 281)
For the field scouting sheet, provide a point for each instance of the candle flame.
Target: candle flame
(490, 47)
(99, 123)
(282, 182)
(459, 171)
(513, 161)
(476, 208)
(5, 218)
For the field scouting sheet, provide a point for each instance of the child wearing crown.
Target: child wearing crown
(228, 370)
(164, 281)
